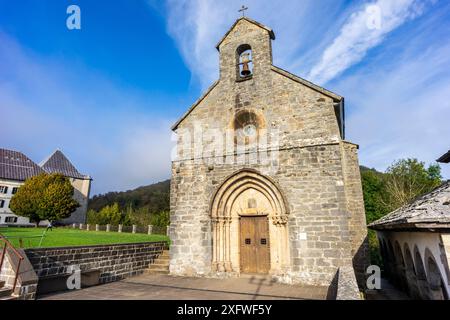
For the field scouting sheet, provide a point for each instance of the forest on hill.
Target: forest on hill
(383, 192)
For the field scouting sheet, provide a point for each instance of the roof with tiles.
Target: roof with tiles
(15, 165)
(58, 163)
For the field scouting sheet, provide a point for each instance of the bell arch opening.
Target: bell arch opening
(249, 219)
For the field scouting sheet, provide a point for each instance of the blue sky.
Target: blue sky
(107, 94)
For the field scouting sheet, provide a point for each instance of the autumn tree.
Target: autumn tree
(408, 179)
(45, 197)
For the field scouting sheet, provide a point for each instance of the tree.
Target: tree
(408, 179)
(45, 197)
(107, 215)
(161, 219)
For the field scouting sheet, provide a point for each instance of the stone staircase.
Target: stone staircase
(160, 265)
(5, 292)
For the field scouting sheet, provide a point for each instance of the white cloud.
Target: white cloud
(401, 110)
(364, 30)
(197, 26)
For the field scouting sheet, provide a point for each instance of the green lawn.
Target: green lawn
(63, 237)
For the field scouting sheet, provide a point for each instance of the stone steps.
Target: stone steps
(5, 293)
(160, 265)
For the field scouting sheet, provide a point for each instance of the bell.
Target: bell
(245, 70)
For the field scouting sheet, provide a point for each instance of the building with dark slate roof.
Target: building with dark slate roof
(415, 245)
(15, 168)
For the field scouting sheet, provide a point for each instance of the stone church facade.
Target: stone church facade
(263, 180)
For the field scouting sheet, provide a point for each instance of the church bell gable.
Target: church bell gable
(245, 51)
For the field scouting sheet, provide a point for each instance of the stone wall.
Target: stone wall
(311, 180)
(305, 155)
(116, 262)
(355, 206)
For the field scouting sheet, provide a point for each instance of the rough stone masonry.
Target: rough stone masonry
(265, 145)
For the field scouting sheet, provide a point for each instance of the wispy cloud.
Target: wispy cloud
(401, 109)
(197, 26)
(365, 29)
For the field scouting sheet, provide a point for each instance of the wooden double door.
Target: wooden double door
(254, 244)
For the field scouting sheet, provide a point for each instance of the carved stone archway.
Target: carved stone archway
(248, 193)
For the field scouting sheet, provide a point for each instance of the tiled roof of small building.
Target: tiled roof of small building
(431, 210)
(58, 163)
(15, 165)
(444, 158)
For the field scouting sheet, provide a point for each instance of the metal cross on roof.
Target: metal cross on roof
(243, 8)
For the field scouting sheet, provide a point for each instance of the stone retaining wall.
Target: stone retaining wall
(115, 262)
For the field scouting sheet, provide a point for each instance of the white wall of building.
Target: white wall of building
(81, 194)
(6, 215)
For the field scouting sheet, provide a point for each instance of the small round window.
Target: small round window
(247, 125)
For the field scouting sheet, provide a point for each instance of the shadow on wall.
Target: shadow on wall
(79, 215)
(361, 261)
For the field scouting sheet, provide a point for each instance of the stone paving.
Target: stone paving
(162, 287)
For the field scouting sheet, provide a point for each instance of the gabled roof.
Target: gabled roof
(15, 165)
(445, 158)
(278, 70)
(307, 83)
(270, 31)
(58, 163)
(175, 125)
(431, 211)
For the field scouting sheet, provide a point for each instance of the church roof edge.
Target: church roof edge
(269, 30)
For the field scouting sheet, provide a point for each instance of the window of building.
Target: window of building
(14, 190)
(2, 203)
(3, 189)
(11, 219)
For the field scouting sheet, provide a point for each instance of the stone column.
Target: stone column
(134, 229)
(214, 222)
(108, 227)
(81, 226)
(221, 245)
(120, 228)
(74, 225)
(97, 227)
(87, 227)
(227, 244)
(150, 229)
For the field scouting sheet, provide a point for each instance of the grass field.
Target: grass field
(64, 237)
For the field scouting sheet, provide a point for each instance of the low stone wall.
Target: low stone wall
(346, 284)
(115, 262)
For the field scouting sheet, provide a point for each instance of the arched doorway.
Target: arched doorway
(249, 225)
(411, 277)
(400, 267)
(437, 287)
(422, 282)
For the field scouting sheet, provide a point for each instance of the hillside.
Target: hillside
(154, 196)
